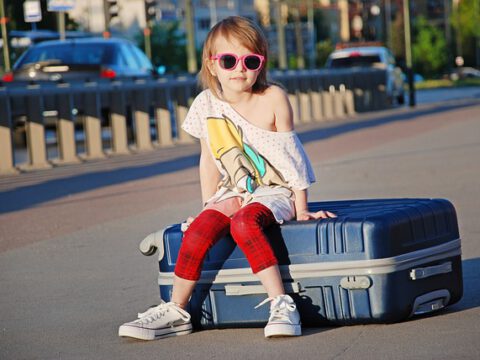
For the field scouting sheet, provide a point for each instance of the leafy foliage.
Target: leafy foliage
(429, 49)
(323, 48)
(465, 21)
(466, 18)
(168, 46)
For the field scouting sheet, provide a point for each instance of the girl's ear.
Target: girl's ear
(211, 67)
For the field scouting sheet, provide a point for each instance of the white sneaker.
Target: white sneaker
(284, 317)
(164, 320)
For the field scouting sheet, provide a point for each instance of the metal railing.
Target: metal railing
(143, 114)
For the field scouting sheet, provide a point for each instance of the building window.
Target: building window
(204, 24)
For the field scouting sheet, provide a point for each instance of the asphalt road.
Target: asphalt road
(70, 271)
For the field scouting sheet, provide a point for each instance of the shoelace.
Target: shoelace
(279, 309)
(264, 302)
(156, 312)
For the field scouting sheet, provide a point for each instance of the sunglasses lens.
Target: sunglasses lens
(252, 62)
(228, 61)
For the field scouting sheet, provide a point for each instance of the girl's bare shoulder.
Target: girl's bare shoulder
(276, 93)
(276, 100)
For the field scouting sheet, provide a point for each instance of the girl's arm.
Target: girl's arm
(301, 208)
(282, 109)
(284, 122)
(209, 174)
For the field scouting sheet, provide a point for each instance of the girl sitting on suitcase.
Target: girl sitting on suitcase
(253, 173)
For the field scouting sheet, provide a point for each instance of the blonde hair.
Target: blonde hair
(249, 35)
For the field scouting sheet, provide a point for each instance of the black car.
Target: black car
(80, 59)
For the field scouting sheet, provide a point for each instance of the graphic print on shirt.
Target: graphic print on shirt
(246, 169)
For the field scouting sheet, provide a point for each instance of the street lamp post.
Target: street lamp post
(189, 27)
(61, 24)
(408, 51)
(3, 20)
(282, 52)
(388, 23)
(311, 30)
(150, 17)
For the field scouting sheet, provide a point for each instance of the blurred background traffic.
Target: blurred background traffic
(438, 39)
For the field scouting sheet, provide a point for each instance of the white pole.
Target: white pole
(3, 20)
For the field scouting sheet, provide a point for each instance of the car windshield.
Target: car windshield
(72, 53)
(359, 60)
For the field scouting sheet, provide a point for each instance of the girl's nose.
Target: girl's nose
(240, 64)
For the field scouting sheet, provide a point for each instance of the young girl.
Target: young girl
(253, 173)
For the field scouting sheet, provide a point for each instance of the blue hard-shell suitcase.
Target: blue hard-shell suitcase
(379, 261)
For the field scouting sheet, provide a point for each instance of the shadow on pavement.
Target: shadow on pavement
(28, 196)
(31, 195)
(471, 285)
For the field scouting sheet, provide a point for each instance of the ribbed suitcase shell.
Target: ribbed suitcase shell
(379, 261)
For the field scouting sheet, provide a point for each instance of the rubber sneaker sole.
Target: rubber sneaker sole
(154, 334)
(281, 330)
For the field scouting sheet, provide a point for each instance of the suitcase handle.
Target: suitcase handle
(152, 242)
(431, 301)
(238, 290)
(422, 273)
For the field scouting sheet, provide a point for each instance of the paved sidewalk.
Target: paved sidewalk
(70, 271)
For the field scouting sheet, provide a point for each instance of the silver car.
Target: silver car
(372, 56)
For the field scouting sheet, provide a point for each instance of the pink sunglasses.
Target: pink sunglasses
(227, 61)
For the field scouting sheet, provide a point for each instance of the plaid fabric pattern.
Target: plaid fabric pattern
(247, 230)
(209, 226)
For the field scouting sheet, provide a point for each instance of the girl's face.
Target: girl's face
(238, 79)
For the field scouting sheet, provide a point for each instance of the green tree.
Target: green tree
(465, 21)
(466, 18)
(429, 49)
(323, 48)
(168, 46)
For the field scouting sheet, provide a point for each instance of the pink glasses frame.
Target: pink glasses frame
(239, 58)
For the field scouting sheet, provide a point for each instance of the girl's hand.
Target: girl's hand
(322, 214)
(184, 226)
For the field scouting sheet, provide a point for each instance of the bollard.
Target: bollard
(304, 97)
(118, 120)
(327, 102)
(316, 98)
(338, 109)
(295, 108)
(346, 84)
(347, 100)
(292, 89)
(92, 123)
(370, 92)
(182, 103)
(65, 127)
(141, 114)
(379, 90)
(163, 117)
(360, 79)
(368, 100)
(305, 110)
(35, 131)
(6, 145)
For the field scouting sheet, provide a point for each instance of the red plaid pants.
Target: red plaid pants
(246, 227)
